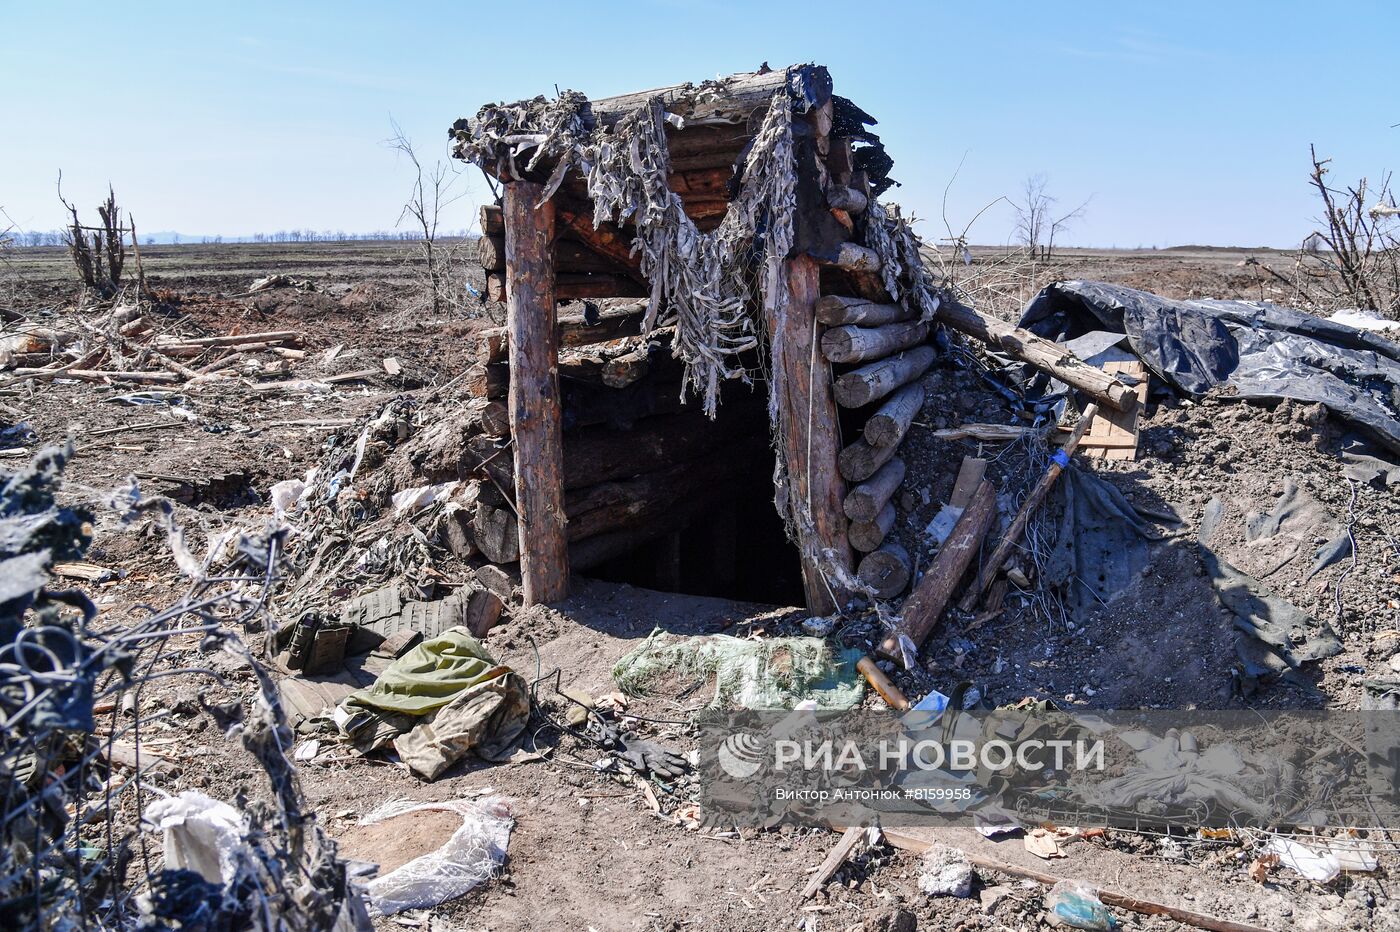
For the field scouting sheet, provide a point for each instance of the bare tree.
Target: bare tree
(430, 195)
(1031, 210)
(1037, 222)
(1353, 257)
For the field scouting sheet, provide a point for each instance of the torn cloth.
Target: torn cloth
(1102, 544)
(1261, 350)
(1275, 635)
(443, 698)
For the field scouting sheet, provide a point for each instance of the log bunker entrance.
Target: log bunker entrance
(710, 528)
(776, 287)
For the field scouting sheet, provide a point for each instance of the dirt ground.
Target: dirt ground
(588, 851)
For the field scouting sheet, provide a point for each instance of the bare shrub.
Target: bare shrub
(998, 282)
(98, 252)
(1353, 258)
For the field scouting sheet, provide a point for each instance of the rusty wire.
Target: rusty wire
(72, 849)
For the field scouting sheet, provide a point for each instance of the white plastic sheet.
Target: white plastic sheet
(466, 860)
(201, 834)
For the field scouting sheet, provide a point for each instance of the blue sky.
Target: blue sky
(1183, 122)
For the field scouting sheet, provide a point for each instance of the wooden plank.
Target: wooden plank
(811, 442)
(925, 605)
(1114, 434)
(833, 861)
(534, 394)
(969, 477)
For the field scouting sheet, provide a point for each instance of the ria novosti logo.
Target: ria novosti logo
(740, 755)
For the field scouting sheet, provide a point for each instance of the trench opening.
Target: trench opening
(727, 539)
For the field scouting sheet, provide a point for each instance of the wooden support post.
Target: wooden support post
(534, 393)
(925, 605)
(810, 432)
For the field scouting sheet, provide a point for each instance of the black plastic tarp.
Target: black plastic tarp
(1261, 350)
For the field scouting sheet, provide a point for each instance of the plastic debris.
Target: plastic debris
(945, 871)
(1076, 905)
(1320, 866)
(1043, 844)
(285, 495)
(417, 498)
(202, 835)
(468, 859)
